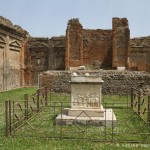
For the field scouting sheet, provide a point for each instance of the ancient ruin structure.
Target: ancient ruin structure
(23, 57)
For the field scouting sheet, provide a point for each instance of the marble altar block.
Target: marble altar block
(86, 106)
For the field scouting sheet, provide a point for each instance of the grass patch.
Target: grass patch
(16, 94)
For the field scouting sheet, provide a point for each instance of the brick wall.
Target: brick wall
(97, 48)
(139, 54)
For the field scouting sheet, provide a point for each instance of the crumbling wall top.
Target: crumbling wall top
(74, 22)
(120, 22)
(8, 24)
(140, 41)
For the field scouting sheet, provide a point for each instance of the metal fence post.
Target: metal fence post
(6, 119)
(37, 98)
(10, 117)
(46, 95)
(61, 123)
(132, 97)
(50, 97)
(139, 102)
(148, 114)
(26, 105)
(13, 111)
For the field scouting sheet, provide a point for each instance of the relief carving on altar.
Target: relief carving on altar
(86, 100)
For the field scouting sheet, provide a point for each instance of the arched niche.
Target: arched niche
(59, 56)
(38, 56)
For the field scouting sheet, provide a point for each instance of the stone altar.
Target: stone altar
(86, 106)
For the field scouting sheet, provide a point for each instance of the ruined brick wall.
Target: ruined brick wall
(115, 82)
(139, 54)
(97, 48)
(121, 42)
(12, 45)
(74, 44)
(43, 54)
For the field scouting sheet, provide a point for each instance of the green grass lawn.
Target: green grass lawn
(16, 94)
(28, 138)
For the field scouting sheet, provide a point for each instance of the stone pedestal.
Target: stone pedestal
(86, 107)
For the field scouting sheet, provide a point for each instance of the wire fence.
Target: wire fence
(17, 112)
(140, 103)
(11, 96)
(40, 115)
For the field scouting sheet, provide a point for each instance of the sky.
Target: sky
(47, 18)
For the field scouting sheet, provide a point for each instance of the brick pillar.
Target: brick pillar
(121, 42)
(74, 44)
